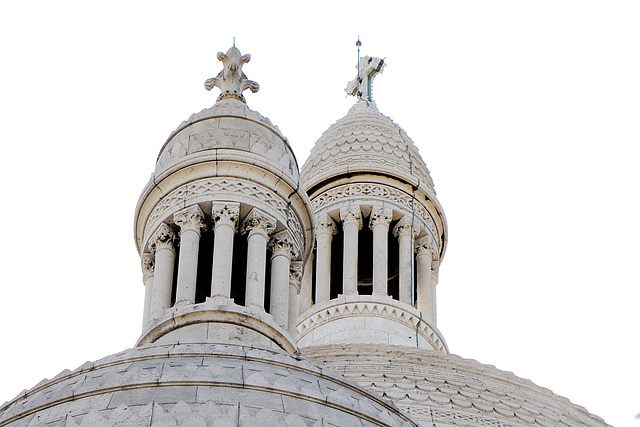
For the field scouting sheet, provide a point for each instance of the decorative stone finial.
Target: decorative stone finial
(368, 68)
(231, 80)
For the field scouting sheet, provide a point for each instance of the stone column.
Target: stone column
(258, 225)
(431, 298)
(325, 230)
(295, 277)
(351, 224)
(225, 219)
(147, 277)
(379, 224)
(161, 244)
(403, 231)
(426, 287)
(191, 221)
(283, 250)
(305, 300)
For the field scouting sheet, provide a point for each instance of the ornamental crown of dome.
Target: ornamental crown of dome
(365, 141)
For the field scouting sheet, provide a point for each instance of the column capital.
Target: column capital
(325, 224)
(403, 227)
(258, 221)
(424, 247)
(148, 266)
(282, 244)
(295, 274)
(190, 219)
(164, 237)
(225, 213)
(351, 214)
(380, 215)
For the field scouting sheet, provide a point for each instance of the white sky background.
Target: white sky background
(526, 112)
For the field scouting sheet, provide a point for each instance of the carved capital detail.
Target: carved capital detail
(424, 247)
(351, 215)
(380, 215)
(225, 213)
(259, 221)
(148, 266)
(164, 237)
(295, 274)
(282, 244)
(403, 227)
(325, 224)
(190, 219)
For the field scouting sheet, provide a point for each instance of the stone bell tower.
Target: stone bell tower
(380, 232)
(223, 226)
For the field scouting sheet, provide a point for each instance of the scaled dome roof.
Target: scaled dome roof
(366, 141)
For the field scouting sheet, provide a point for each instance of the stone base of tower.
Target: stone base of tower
(368, 319)
(218, 320)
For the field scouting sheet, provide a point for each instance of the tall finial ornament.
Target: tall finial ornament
(231, 80)
(368, 68)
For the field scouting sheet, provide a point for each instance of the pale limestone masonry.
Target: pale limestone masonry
(197, 385)
(444, 390)
(273, 299)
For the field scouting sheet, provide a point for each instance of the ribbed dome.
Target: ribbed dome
(199, 385)
(229, 124)
(366, 141)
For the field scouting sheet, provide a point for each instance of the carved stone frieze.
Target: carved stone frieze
(225, 213)
(259, 221)
(209, 189)
(380, 215)
(190, 219)
(350, 191)
(282, 244)
(164, 237)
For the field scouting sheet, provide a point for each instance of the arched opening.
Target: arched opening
(205, 265)
(239, 269)
(337, 261)
(365, 258)
(393, 263)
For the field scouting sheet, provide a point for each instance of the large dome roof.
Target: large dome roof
(366, 141)
(441, 389)
(199, 385)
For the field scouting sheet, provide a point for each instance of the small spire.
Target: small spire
(231, 80)
(368, 68)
